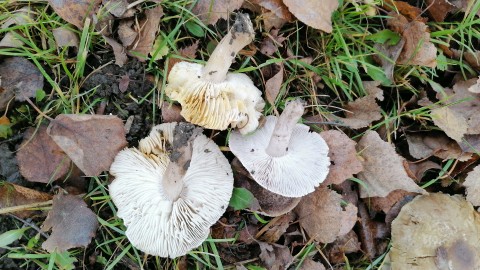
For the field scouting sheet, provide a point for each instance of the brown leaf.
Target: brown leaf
(450, 121)
(309, 264)
(274, 13)
(10, 40)
(210, 11)
(189, 52)
(126, 34)
(116, 7)
(273, 85)
(363, 111)
(343, 245)
(15, 195)
(316, 14)
(75, 12)
(388, 55)
(123, 83)
(277, 227)
(275, 257)
(65, 37)
(422, 146)
(321, 215)
(418, 49)
(438, 9)
(383, 170)
(118, 50)
(472, 184)
(433, 224)
(466, 6)
(40, 159)
(416, 170)
(20, 78)
(372, 233)
(71, 222)
(384, 204)
(475, 88)
(91, 141)
(171, 113)
(343, 157)
(404, 8)
(149, 28)
(271, 42)
(472, 58)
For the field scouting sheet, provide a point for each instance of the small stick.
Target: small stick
(24, 207)
(33, 225)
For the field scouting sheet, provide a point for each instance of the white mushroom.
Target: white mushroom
(283, 156)
(210, 96)
(172, 190)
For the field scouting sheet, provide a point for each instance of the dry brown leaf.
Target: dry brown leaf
(343, 157)
(343, 245)
(171, 113)
(309, 264)
(15, 195)
(454, 125)
(65, 37)
(149, 28)
(72, 223)
(422, 146)
(314, 13)
(321, 215)
(116, 7)
(126, 34)
(271, 42)
(418, 49)
(371, 233)
(91, 141)
(388, 55)
(277, 7)
(472, 58)
(434, 224)
(273, 85)
(274, 13)
(438, 9)
(75, 12)
(274, 256)
(20, 78)
(472, 184)
(276, 228)
(383, 170)
(363, 111)
(475, 88)
(416, 170)
(210, 11)
(11, 41)
(384, 204)
(118, 50)
(404, 8)
(40, 159)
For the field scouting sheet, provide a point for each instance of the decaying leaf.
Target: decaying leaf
(275, 256)
(309, 264)
(321, 215)
(384, 204)
(171, 113)
(189, 52)
(371, 233)
(466, 6)
(210, 11)
(15, 195)
(454, 125)
(72, 223)
(388, 55)
(471, 57)
(472, 183)
(273, 85)
(276, 228)
(271, 42)
(149, 29)
(416, 170)
(383, 170)
(91, 141)
(343, 245)
(274, 13)
(116, 7)
(317, 14)
(404, 8)
(10, 40)
(434, 231)
(475, 88)
(118, 50)
(20, 78)
(363, 111)
(65, 37)
(422, 146)
(126, 34)
(439, 9)
(75, 12)
(40, 159)
(418, 49)
(343, 157)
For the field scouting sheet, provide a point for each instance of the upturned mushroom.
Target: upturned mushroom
(212, 97)
(171, 190)
(283, 156)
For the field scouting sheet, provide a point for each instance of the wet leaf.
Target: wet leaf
(20, 78)
(75, 12)
(189, 52)
(91, 141)
(371, 233)
(71, 222)
(404, 8)
(39, 157)
(15, 195)
(416, 170)
(316, 14)
(210, 11)
(149, 29)
(383, 170)
(273, 85)
(343, 157)
(65, 37)
(472, 183)
(384, 204)
(323, 218)
(241, 198)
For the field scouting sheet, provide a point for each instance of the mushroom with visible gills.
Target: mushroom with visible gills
(171, 190)
(212, 97)
(283, 156)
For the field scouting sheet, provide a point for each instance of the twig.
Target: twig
(28, 223)
(24, 207)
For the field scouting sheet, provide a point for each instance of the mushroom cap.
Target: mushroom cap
(235, 101)
(295, 174)
(155, 224)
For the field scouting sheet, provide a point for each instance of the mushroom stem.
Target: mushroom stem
(239, 36)
(278, 145)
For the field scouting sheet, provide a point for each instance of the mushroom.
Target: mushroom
(171, 190)
(283, 156)
(212, 97)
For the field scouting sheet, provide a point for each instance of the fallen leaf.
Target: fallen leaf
(411, 12)
(383, 170)
(149, 28)
(421, 146)
(72, 223)
(10, 40)
(371, 233)
(19, 17)
(321, 215)
(343, 157)
(274, 13)
(388, 55)
(454, 125)
(363, 111)
(123, 83)
(8, 165)
(274, 256)
(118, 50)
(171, 113)
(271, 42)
(438, 9)
(416, 170)
(432, 223)
(316, 14)
(210, 11)
(40, 159)
(126, 34)
(309, 264)
(116, 7)
(418, 49)
(15, 195)
(75, 12)
(471, 57)
(20, 78)
(475, 88)
(472, 184)
(384, 204)
(189, 52)
(91, 141)
(466, 6)
(273, 85)
(343, 245)
(65, 37)
(276, 228)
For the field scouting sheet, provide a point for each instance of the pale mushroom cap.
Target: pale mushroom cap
(295, 174)
(235, 101)
(157, 225)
